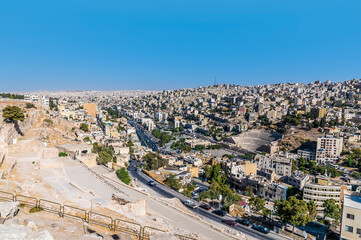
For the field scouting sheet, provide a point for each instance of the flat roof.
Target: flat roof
(352, 200)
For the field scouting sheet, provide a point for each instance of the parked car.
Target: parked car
(190, 204)
(152, 183)
(230, 222)
(219, 212)
(261, 229)
(205, 206)
(244, 222)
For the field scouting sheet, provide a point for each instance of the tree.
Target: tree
(356, 175)
(294, 166)
(332, 209)
(293, 211)
(265, 212)
(123, 175)
(323, 122)
(84, 127)
(257, 204)
(199, 147)
(104, 157)
(311, 205)
(30, 105)
(173, 182)
(214, 173)
(249, 191)
(154, 161)
(14, 114)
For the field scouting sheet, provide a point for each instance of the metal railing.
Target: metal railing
(116, 225)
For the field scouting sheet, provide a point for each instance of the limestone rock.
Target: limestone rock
(163, 236)
(20, 232)
(9, 209)
(32, 226)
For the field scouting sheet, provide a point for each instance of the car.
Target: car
(219, 212)
(244, 222)
(190, 204)
(152, 183)
(230, 222)
(261, 229)
(205, 206)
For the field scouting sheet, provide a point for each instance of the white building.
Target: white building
(328, 148)
(351, 216)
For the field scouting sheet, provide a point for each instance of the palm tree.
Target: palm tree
(311, 205)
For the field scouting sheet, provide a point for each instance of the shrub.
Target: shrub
(123, 175)
(36, 209)
(63, 154)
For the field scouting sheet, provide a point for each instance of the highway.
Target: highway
(164, 191)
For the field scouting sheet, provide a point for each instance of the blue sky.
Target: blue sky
(116, 45)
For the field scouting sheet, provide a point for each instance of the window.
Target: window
(349, 229)
(358, 231)
(350, 216)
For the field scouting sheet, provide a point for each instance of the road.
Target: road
(161, 190)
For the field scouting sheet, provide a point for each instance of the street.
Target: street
(161, 190)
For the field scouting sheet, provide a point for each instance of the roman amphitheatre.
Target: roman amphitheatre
(256, 140)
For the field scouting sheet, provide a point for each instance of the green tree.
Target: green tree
(173, 182)
(332, 209)
(84, 127)
(356, 175)
(104, 157)
(293, 211)
(123, 175)
(30, 105)
(294, 166)
(257, 204)
(14, 114)
(323, 122)
(199, 147)
(249, 191)
(312, 210)
(265, 212)
(154, 161)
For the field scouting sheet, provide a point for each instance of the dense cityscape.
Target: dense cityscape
(225, 161)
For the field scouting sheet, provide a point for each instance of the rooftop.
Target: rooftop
(352, 199)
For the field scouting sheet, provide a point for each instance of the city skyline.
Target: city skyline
(159, 45)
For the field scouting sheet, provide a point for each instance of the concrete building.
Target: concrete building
(318, 112)
(307, 154)
(298, 179)
(328, 148)
(91, 109)
(322, 189)
(351, 216)
(240, 168)
(281, 165)
(273, 191)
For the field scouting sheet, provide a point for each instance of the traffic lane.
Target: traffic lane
(207, 214)
(244, 229)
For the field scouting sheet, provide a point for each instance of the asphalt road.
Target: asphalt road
(164, 191)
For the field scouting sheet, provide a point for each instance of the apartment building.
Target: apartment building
(318, 112)
(281, 165)
(240, 168)
(322, 189)
(351, 216)
(273, 191)
(91, 109)
(307, 154)
(298, 179)
(328, 148)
